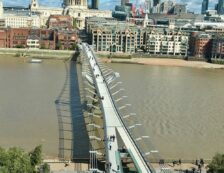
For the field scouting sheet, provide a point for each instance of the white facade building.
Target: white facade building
(167, 44)
(1, 9)
(33, 42)
(78, 9)
(15, 21)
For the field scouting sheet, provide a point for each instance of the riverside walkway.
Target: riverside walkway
(113, 123)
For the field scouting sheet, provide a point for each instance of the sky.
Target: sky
(192, 5)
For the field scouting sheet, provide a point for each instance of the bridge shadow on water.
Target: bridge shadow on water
(73, 137)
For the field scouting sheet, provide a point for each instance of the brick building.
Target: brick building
(2, 38)
(218, 47)
(47, 39)
(17, 37)
(60, 22)
(37, 38)
(66, 40)
(200, 45)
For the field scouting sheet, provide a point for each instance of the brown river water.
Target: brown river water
(180, 108)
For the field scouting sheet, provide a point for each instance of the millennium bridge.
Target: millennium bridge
(116, 140)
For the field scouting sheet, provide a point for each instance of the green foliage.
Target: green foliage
(15, 160)
(58, 45)
(217, 164)
(46, 168)
(19, 46)
(74, 23)
(36, 156)
(74, 46)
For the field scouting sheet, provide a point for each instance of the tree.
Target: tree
(74, 23)
(36, 156)
(14, 160)
(74, 46)
(217, 164)
(59, 45)
(46, 168)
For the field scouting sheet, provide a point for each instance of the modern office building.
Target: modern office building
(95, 4)
(204, 6)
(220, 7)
(155, 2)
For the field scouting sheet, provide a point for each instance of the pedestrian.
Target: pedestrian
(202, 162)
(110, 147)
(113, 138)
(179, 161)
(196, 162)
(199, 167)
(174, 162)
(118, 167)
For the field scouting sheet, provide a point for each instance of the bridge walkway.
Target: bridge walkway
(113, 122)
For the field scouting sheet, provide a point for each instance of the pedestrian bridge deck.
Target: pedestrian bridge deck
(113, 122)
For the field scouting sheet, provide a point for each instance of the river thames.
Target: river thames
(180, 108)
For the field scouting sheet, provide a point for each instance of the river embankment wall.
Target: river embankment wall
(38, 53)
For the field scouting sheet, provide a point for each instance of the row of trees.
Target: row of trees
(16, 160)
(217, 164)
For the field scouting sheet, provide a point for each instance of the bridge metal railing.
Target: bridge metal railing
(125, 125)
(141, 145)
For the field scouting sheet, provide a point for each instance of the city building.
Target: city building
(218, 48)
(220, 7)
(1, 9)
(200, 45)
(156, 2)
(16, 17)
(2, 23)
(66, 40)
(37, 38)
(122, 37)
(95, 4)
(179, 9)
(48, 39)
(82, 4)
(22, 21)
(2, 38)
(17, 37)
(123, 2)
(166, 6)
(166, 42)
(204, 6)
(60, 22)
(33, 42)
(77, 9)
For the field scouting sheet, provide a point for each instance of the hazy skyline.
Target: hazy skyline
(192, 5)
